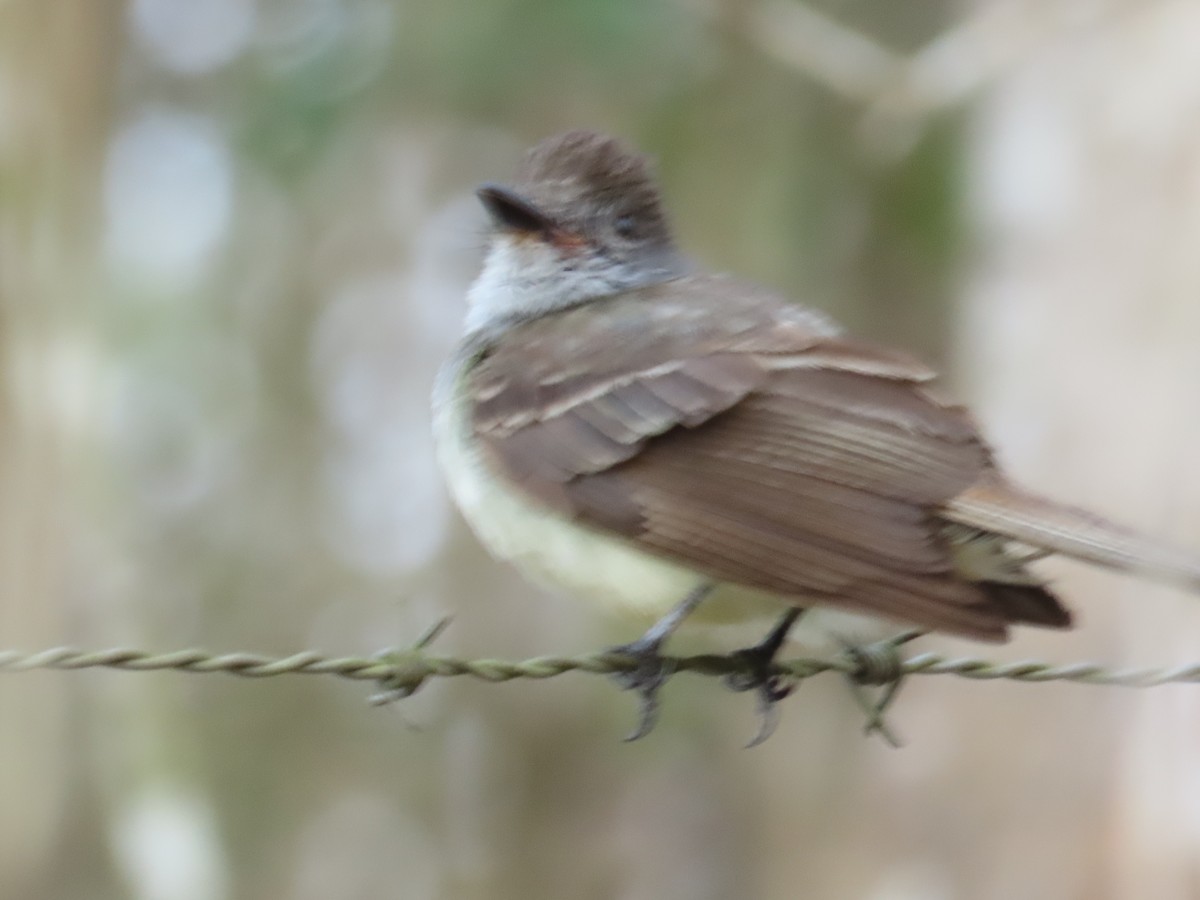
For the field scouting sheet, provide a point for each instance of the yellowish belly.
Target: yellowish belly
(564, 556)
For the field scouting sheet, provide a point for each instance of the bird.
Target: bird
(683, 446)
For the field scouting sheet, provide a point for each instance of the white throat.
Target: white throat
(524, 278)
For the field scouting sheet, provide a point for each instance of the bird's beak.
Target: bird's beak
(512, 212)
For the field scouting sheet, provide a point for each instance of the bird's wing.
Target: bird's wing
(752, 444)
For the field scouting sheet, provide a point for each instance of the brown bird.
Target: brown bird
(677, 444)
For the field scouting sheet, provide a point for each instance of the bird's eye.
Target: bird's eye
(625, 226)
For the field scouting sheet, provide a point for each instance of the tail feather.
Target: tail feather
(1002, 509)
(1028, 603)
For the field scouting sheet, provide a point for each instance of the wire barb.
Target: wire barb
(878, 665)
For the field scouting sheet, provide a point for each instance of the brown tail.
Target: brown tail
(1006, 510)
(1028, 603)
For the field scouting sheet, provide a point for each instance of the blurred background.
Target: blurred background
(235, 237)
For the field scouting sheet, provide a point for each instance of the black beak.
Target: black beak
(512, 212)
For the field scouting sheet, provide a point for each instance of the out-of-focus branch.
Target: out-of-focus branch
(848, 63)
(899, 93)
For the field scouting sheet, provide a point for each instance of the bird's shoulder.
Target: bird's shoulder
(714, 334)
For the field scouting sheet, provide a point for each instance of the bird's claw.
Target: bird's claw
(760, 674)
(650, 672)
(770, 689)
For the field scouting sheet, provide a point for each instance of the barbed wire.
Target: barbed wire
(401, 673)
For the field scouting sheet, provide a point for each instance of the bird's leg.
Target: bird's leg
(761, 677)
(652, 669)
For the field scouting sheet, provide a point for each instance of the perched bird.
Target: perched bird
(677, 444)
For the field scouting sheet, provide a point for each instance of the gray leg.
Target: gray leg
(652, 669)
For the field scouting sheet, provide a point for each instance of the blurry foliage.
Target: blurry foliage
(515, 61)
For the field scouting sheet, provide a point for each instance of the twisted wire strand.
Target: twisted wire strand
(402, 672)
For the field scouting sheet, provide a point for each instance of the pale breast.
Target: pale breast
(557, 553)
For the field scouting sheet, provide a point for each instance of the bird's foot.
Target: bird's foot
(651, 670)
(761, 675)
